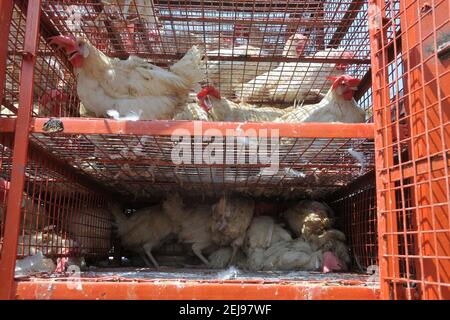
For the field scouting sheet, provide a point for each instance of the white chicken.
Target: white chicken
(222, 109)
(230, 76)
(192, 225)
(220, 258)
(262, 233)
(35, 263)
(269, 246)
(337, 106)
(48, 242)
(231, 217)
(145, 230)
(132, 87)
(292, 81)
(294, 254)
(193, 111)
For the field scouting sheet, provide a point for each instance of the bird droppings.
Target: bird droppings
(290, 172)
(359, 156)
(230, 273)
(182, 277)
(180, 284)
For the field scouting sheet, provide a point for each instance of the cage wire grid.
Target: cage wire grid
(412, 122)
(242, 41)
(60, 216)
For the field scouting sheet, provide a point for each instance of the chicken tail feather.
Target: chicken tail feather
(190, 67)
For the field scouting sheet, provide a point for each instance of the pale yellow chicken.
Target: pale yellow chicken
(191, 225)
(311, 221)
(231, 217)
(145, 230)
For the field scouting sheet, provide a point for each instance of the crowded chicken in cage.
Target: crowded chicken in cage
(227, 232)
(235, 74)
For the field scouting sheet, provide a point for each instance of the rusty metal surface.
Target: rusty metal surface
(198, 284)
(171, 290)
(21, 138)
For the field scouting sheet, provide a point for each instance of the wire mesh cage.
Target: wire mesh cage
(250, 52)
(59, 215)
(357, 212)
(411, 115)
(143, 166)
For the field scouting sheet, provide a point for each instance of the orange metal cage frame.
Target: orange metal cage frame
(410, 73)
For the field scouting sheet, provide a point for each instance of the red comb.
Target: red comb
(69, 40)
(344, 79)
(209, 90)
(205, 92)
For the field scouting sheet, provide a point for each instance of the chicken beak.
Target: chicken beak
(208, 102)
(299, 49)
(205, 103)
(63, 42)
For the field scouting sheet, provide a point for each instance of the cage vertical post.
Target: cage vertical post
(6, 10)
(379, 58)
(21, 139)
(409, 72)
(424, 24)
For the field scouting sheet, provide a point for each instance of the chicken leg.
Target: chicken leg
(197, 249)
(148, 254)
(233, 255)
(235, 245)
(145, 259)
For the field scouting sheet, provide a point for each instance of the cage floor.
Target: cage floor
(199, 274)
(188, 284)
(141, 165)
